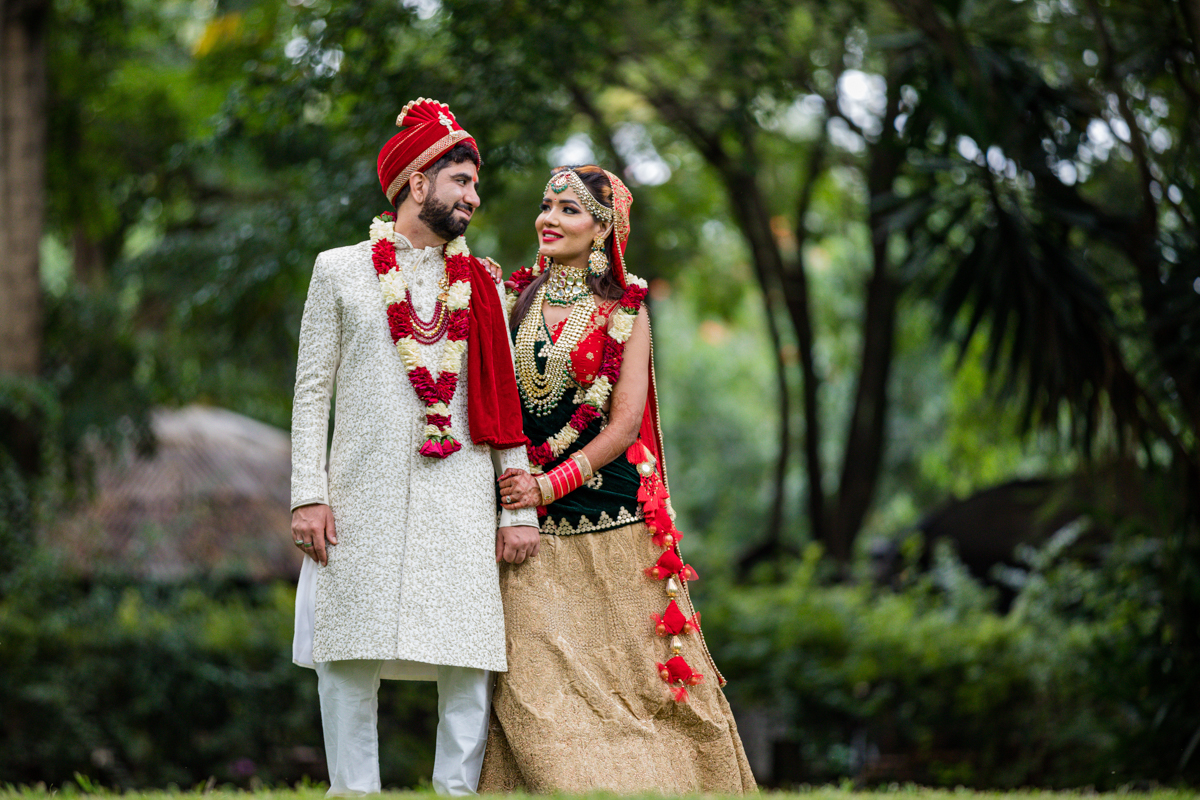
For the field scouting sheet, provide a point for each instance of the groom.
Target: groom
(401, 528)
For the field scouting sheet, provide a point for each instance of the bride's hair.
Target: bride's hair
(606, 286)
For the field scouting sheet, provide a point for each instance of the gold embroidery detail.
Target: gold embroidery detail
(564, 528)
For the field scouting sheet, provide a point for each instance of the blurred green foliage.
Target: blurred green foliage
(147, 685)
(142, 685)
(1076, 686)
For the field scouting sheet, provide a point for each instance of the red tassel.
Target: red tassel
(681, 672)
(669, 563)
(673, 619)
(677, 674)
(660, 627)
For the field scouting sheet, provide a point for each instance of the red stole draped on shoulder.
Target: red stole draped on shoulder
(493, 404)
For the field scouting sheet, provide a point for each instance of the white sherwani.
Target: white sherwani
(413, 579)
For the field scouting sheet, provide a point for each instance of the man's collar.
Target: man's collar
(402, 243)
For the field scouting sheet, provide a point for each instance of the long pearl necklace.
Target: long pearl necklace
(542, 391)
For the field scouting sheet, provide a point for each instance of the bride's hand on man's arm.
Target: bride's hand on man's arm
(519, 489)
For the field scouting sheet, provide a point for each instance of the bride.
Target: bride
(610, 685)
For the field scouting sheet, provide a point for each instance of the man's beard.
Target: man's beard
(441, 220)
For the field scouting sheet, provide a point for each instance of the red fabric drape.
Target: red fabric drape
(649, 434)
(493, 405)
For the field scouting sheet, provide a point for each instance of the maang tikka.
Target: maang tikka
(598, 259)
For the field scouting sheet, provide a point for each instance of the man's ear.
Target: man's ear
(418, 187)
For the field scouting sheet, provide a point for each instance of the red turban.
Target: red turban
(429, 132)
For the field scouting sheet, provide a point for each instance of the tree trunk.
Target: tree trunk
(866, 437)
(754, 218)
(1191, 16)
(22, 181)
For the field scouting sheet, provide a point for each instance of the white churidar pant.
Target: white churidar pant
(349, 692)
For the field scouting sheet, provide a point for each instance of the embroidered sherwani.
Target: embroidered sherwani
(413, 579)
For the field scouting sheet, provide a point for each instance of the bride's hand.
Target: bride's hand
(518, 489)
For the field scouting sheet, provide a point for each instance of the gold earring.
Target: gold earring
(597, 259)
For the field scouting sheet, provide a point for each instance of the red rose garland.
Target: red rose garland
(435, 393)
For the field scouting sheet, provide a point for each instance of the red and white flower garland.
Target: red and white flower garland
(435, 393)
(652, 492)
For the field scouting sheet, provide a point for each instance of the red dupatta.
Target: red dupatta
(493, 403)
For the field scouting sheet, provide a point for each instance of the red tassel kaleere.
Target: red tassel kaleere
(678, 675)
(673, 622)
(668, 564)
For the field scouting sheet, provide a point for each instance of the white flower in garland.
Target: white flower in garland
(597, 393)
(457, 247)
(410, 353)
(560, 441)
(458, 296)
(393, 286)
(620, 327)
(452, 354)
(380, 229)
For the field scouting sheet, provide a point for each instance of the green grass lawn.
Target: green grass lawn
(814, 793)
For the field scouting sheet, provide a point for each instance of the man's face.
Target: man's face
(451, 201)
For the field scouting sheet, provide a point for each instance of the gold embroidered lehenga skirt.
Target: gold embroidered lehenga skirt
(582, 706)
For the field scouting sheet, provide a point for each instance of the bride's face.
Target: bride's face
(565, 228)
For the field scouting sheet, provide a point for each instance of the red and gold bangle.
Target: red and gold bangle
(585, 466)
(565, 478)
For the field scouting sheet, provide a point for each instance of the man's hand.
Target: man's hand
(494, 268)
(516, 543)
(312, 528)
